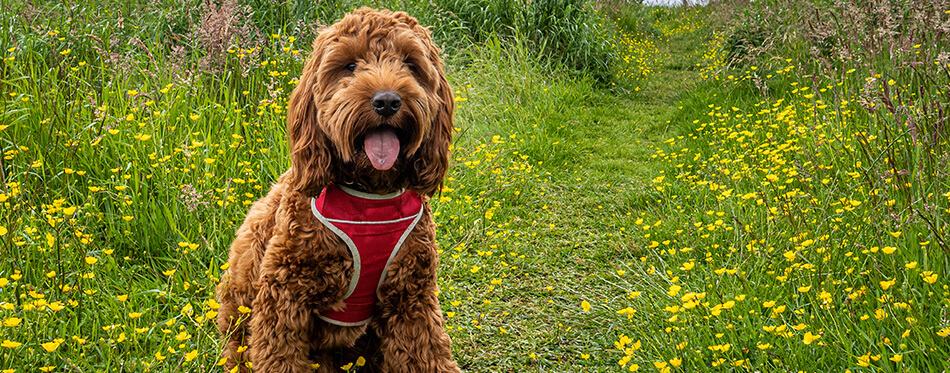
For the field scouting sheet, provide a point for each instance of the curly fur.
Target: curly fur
(286, 267)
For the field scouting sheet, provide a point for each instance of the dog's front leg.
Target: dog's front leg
(296, 283)
(410, 323)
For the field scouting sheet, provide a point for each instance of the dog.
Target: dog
(338, 261)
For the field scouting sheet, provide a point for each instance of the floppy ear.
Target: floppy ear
(309, 146)
(431, 161)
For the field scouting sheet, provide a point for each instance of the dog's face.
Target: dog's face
(372, 107)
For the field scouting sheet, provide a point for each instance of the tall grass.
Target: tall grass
(802, 223)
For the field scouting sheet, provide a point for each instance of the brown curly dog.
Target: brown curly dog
(339, 260)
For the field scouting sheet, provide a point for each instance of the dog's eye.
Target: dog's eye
(412, 67)
(350, 67)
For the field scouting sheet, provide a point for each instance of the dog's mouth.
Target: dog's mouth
(381, 145)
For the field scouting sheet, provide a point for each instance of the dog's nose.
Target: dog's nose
(386, 103)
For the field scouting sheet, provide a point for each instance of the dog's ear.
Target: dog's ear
(431, 161)
(309, 146)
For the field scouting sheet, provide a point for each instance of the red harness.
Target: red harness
(373, 227)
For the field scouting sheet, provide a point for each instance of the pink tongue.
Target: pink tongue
(382, 148)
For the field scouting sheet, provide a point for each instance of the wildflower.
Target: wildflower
(12, 321)
(809, 338)
(10, 344)
(585, 306)
(887, 284)
(52, 346)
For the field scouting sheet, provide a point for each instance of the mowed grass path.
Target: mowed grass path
(557, 243)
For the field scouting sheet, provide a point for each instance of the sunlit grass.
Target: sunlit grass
(770, 221)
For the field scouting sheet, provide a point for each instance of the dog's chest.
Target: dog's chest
(373, 227)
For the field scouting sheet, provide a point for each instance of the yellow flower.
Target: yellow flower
(10, 344)
(880, 314)
(3, 230)
(888, 249)
(897, 358)
(91, 260)
(804, 289)
(134, 315)
(191, 355)
(52, 346)
(213, 304)
(809, 338)
(929, 277)
(887, 284)
(360, 361)
(12, 321)
(585, 306)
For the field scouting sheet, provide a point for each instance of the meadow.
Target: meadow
(759, 187)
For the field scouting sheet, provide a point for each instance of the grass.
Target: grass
(681, 215)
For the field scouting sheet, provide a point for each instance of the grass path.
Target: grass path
(593, 186)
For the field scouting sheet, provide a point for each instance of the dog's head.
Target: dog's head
(372, 109)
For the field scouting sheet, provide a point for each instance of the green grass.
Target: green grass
(658, 219)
